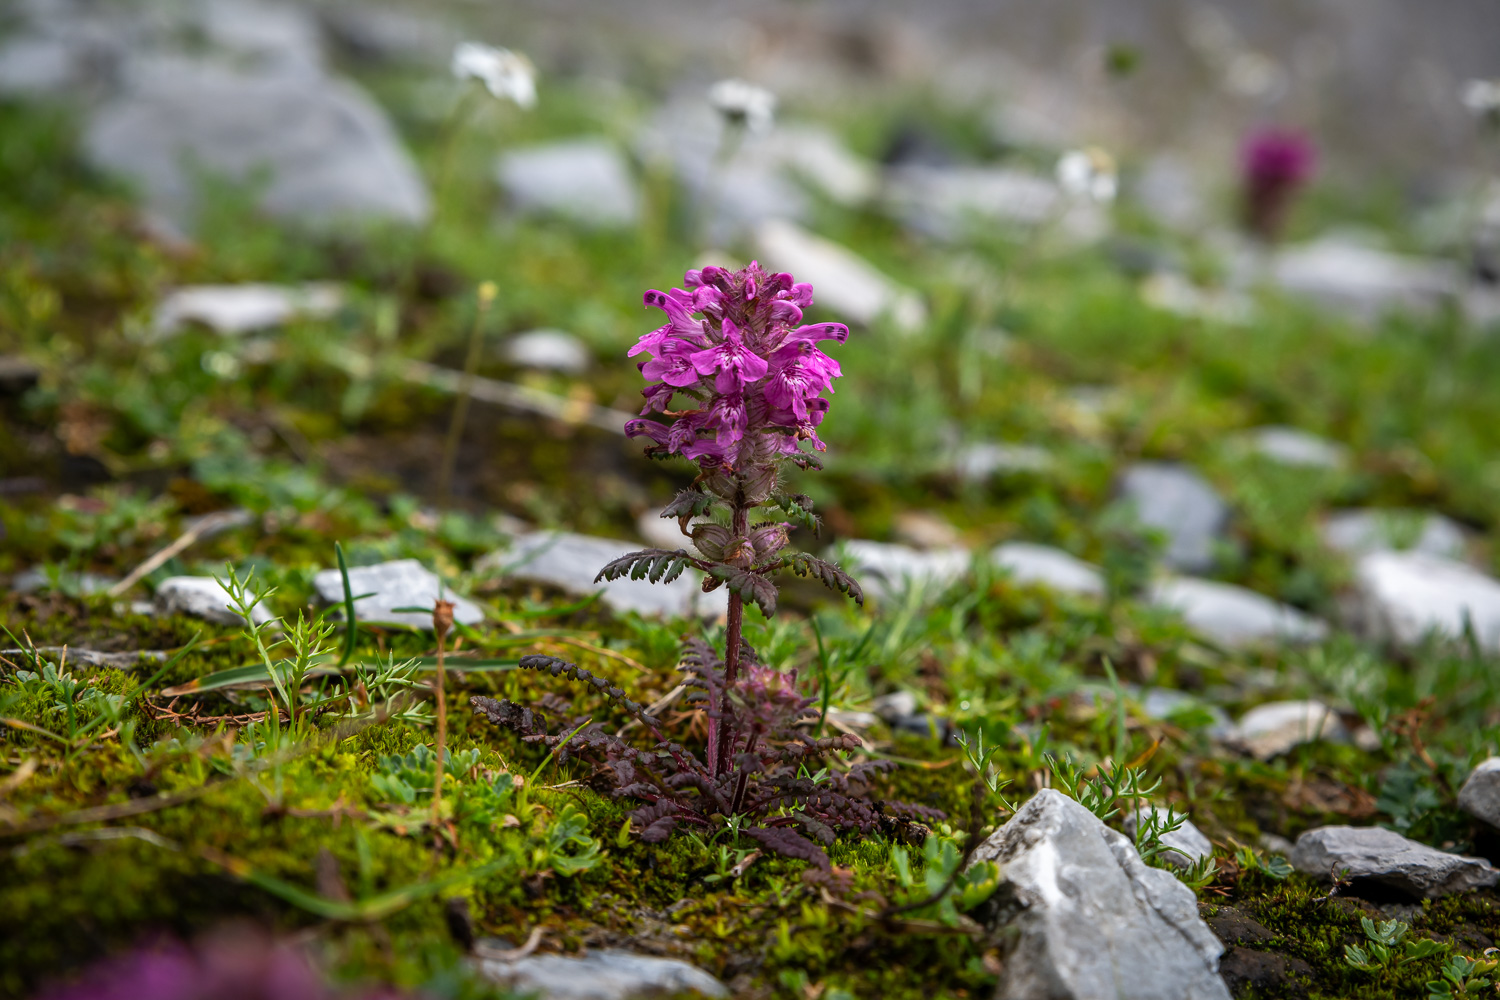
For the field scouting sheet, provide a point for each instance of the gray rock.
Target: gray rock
(1091, 919)
(381, 34)
(1169, 192)
(978, 462)
(1046, 566)
(1384, 857)
(39, 579)
(1402, 597)
(925, 530)
(570, 562)
(1480, 795)
(885, 570)
(549, 350)
(1362, 280)
(401, 583)
(1358, 532)
(1291, 446)
(1234, 616)
(586, 180)
(896, 705)
(1276, 727)
(1187, 843)
(326, 151)
(1179, 503)
(606, 974)
(946, 200)
(202, 597)
(17, 375)
(1166, 703)
(843, 282)
(237, 309)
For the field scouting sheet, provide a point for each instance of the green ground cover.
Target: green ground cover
(126, 810)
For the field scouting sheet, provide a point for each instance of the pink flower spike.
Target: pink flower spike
(682, 325)
(820, 331)
(735, 364)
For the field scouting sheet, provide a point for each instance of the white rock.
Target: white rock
(1172, 292)
(1291, 446)
(843, 282)
(1363, 280)
(1090, 919)
(1480, 795)
(1046, 566)
(327, 151)
(1375, 854)
(1169, 192)
(1187, 843)
(885, 571)
(946, 200)
(570, 562)
(1272, 729)
(896, 705)
(1234, 616)
(401, 583)
(604, 974)
(548, 350)
(663, 532)
(1358, 532)
(202, 597)
(980, 461)
(924, 530)
(1179, 503)
(1165, 703)
(1404, 596)
(587, 180)
(238, 309)
(39, 579)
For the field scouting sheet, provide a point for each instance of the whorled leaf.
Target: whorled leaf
(751, 587)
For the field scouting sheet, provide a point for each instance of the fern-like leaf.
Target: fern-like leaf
(827, 573)
(689, 503)
(659, 565)
(752, 588)
(788, 843)
(800, 509)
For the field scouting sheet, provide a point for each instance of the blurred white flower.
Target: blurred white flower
(1482, 98)
(1088, 173)
(743, 104)
(506, 74)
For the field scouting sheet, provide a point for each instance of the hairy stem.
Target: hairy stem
(721, 734)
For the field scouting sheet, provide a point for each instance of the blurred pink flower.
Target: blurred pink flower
(1274, 165)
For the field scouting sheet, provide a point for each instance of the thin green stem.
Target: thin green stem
(461, 405)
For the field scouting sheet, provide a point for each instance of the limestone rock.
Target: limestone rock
(39, 579)
(1234, 616)
(587, 180)
(884, 570)
(925, 530)
(604, 974)
(1404, 596)
(1187, 843)
(202, 597)
(237, 309)
(1384, 857)
(1092, 920)
(570, 562)
(326, 151)
(1276, 727)
(401, 583)
(1362, 280)
(1361, 531)
(843, 282)
(1480, 795)
(1045, 566)
(548, 350)
(978, 462)
(1290, 446)
(1179, 503)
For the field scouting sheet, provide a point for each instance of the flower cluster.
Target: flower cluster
(1275, 163)
(237, 963)
(733, 344)
(505, 74)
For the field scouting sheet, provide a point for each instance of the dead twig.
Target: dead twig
(491, 953)
(209, 525)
